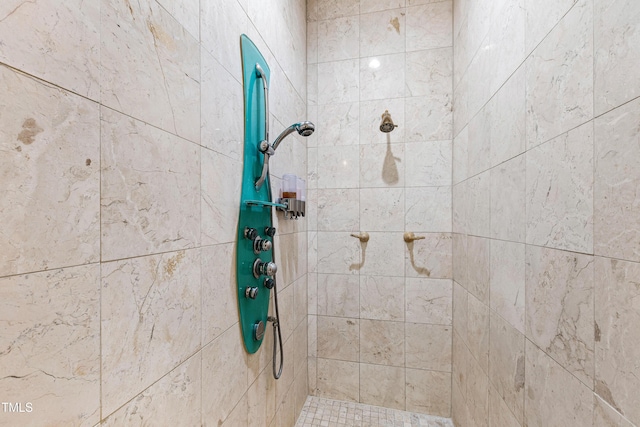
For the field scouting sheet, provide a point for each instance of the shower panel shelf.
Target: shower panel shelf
(265, 204)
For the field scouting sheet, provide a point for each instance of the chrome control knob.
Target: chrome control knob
(261, 245)
(267, 268)
(269, 283)
(250, 233)
(258, 330)
(270, 231)
(251, 292)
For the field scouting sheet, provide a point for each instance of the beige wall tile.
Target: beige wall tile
(220, 197)
(429, 73)
(338, 81)
(381, 209)
(50, 172)
(222, 129)
(187, 12)
(459, 363)
(339, 39)
(507, 364)
(428, 163)
(460, 154)
(616, 41)
(381, 342)
(429, 301)
(224, 361)
(426, 120)
(605, 416)
(338, 295)
(478, 209)
(149, 308)
(460, 311)
(219, 290)
(429, 26)
(478, 331)
(428, 346)
(499, 413)
(339, 124)
(382, 165)
(617, 335)
(382, 386)
(382, 76)
(479, 267)
(552, 395)
(338, 253)
(338, 380)
(542, 16)
(560, 192)
(477, 395)
(382, 32)
(157, 78)
(430, 257)
(617, 180)
(66, 55)
(560, 306)
(508, 200)
(459, 251)
(328, 9)
(560, 76)
(338, 338)
(508, 116)
(382, 255)
(338, 167)
(507, 289)
(150, 189)
(382, 298)
(175, 399)
(429, 392)
(50, 345)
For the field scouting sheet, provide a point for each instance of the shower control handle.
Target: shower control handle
(258, 330)
(251, 292)
(260, 244)
(363, 237)
(410, 237)
(267, 268)
(250, 233)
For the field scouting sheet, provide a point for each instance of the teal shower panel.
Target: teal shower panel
(255, 205)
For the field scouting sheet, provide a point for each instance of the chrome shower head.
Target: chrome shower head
(387, 124)
(303, 129)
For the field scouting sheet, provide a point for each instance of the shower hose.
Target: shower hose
(276, 320)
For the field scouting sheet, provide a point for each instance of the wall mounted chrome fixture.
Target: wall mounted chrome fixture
(293, 196)
(387, 125)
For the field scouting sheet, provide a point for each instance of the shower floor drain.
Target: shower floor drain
(319, 412)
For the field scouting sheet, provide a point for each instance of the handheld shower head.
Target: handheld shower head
(303, 129)
(387, 124)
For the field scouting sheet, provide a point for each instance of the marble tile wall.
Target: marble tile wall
(380, 324)
(121, 134)
(546, 259)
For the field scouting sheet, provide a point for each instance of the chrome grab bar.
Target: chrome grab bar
(264, 146)
(265, 86)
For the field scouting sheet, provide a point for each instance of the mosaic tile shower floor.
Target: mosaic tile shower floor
(319, 412)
